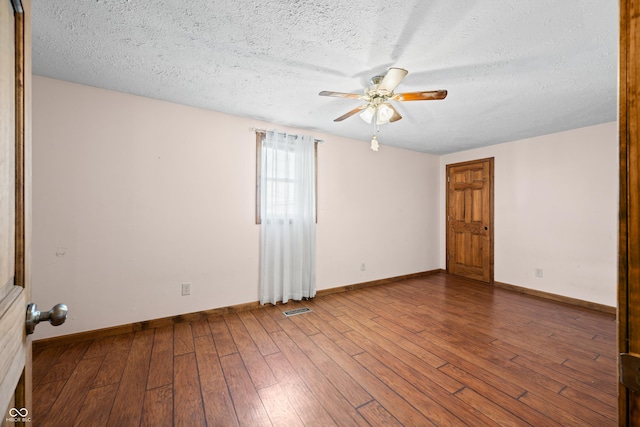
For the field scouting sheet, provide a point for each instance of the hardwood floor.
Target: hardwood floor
(436, 350)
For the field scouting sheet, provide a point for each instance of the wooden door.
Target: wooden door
(470, 219)
(15, 348)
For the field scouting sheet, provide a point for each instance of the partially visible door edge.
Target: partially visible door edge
(23, 395)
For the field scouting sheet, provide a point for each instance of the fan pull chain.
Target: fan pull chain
(376, 129)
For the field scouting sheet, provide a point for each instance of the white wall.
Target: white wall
(134, 196)
(556, 207)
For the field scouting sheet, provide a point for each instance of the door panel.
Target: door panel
(12, 343)
(14, 284)
(7, 148)
(470, 219)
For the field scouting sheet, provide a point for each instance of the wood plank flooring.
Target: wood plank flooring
(437, 350)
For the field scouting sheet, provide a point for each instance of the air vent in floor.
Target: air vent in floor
(293, 312)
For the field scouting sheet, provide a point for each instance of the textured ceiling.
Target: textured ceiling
(513, 69)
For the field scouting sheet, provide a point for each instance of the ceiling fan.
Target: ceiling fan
(377, 96)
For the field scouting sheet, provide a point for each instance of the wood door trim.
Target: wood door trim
(629, 200)
(491, 161)
(20, 257)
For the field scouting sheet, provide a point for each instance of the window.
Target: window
(282, 178)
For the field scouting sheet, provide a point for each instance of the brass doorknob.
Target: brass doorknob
(56, 316)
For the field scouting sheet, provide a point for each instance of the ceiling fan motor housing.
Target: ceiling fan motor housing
(372, 91)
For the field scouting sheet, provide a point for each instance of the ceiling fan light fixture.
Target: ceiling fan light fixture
(368, 113)
(384, 113)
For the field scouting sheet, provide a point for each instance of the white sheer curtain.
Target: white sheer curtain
(287, 213)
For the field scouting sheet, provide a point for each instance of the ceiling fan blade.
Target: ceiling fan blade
(393, 77)
(396, 116)
(420, 96)
(351, 113)
(340, 94)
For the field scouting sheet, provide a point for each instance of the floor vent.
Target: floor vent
(302, 310)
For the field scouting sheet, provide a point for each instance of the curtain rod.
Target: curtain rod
(17, 6)
(319, 141)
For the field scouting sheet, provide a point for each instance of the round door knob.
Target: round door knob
(56, 316)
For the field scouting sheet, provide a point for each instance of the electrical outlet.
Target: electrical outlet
(186, 289)
(539, 272)
(363, 267)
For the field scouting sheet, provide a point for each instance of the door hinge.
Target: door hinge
(448, 179)
(630, 371)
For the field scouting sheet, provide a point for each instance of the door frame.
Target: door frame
(491, 161)
(24, 388)
(628, 316)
